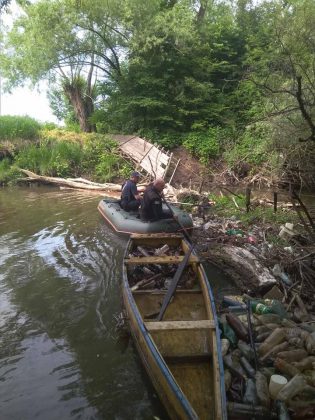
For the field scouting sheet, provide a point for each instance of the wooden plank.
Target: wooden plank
(121, 138)
(182, 343)
(202, 324)
(163, 292)
(168, 259)
(155, 235)
(193, 358)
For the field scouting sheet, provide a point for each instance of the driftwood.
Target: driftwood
(145, 282)
(243, 266)
(70, 182)
(84, 184)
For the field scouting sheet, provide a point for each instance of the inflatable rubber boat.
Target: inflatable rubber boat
(130, 222)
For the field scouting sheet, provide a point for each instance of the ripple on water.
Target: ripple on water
(60, 271)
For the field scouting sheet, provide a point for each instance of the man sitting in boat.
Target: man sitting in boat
(151, 206)
(130, 197)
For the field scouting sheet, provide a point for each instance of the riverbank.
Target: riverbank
(259, 249)
(268, 326)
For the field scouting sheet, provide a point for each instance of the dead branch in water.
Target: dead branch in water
(70, 182)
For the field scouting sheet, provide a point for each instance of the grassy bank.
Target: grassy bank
(50, 151)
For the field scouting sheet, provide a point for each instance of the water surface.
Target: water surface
(61, 356)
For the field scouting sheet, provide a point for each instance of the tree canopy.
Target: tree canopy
(238, 68)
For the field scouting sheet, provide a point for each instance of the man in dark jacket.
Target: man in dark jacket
(130, 197)
(151, 206)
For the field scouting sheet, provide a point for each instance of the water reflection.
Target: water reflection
(60, 269)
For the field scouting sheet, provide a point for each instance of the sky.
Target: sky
(24, 101)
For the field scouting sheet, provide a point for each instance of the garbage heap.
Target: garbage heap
(269, 358)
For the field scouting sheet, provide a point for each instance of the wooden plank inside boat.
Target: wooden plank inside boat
(156, 240)
(168, 259)
(180, 325)
(184, 306)
(182, 343)
(165, 236)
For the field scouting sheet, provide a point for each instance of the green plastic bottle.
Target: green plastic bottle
(259, 308)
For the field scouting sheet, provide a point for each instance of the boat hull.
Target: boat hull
(129, 222)
(171, 393)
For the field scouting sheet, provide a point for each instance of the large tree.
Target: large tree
(68, 45)
(182, 66)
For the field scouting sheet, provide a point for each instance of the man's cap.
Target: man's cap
(135, 174)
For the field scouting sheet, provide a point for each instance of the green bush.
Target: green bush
(14, 127)
(205, 145)
(252, 146)
(91, 155)
(51, 158)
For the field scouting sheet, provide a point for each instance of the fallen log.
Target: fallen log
(70, 182)
(170, 192)
(243, 266)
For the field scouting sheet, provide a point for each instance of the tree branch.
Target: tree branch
(303, 110)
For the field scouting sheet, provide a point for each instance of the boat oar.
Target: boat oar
(173, 285)
(180, 269)
(186, 233)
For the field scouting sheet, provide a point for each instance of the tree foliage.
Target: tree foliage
(227, 76)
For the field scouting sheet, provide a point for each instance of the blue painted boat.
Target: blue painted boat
(130, 222)
(182, 352)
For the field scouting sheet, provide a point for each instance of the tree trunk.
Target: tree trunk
(83, 107)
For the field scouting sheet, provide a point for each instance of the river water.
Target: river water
(61, 356)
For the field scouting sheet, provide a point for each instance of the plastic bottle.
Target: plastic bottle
(277, 382)
(246, 411)
(225, 344)
(232, 363)
(250, 396)
(285, 367)
(240, 309)
(276, 337)
(227, 379)
(230, 302)
(260, 308)
(227, 331)
(306, 363)
(262, 337)
(246, 350)
(296, 342)
(276, 307)
(309, 375)
(237, 326)
(292, 355)
(262, 329)
(282, 410)
(268, 371)
(248, 367)
(275, 350)
(292, 388)
(262, 389)
(269, 319)
(310, 344)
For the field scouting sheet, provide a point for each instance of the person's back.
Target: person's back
(151, 206)
(130, 198)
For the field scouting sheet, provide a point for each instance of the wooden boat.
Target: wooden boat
(182, 352)
(130, 222)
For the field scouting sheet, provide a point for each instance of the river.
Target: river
(61, 356)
